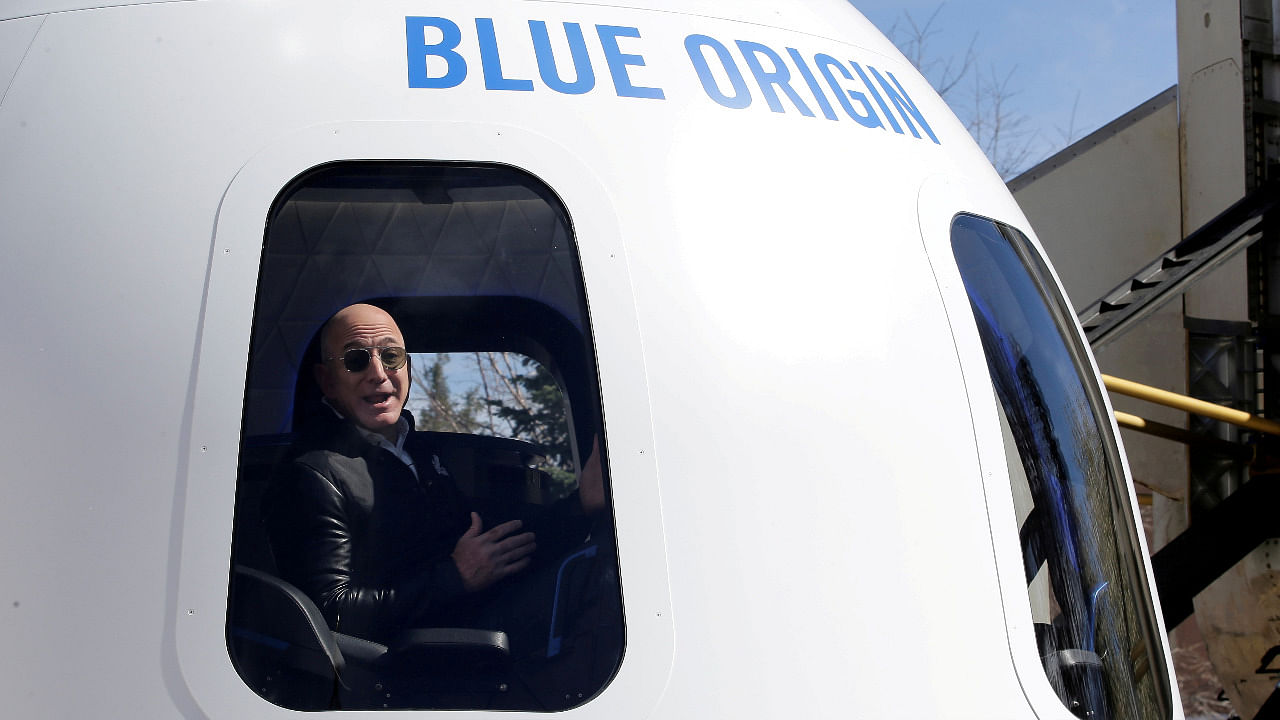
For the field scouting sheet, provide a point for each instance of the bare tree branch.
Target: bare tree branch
(943, 74)
(987, 106)
(1069, 135)
(512, 391)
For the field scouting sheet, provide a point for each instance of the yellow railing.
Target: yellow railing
(1186, 437)
(1188, 404)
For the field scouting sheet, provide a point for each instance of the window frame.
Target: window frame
(1063, 323)
(474, 230)
(204, 498)
(940, 200)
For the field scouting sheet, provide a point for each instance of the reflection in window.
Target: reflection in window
(1094, 625)
(497, 394)
(478, 267)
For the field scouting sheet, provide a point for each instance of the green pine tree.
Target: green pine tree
(536, 412)
(515, 397)
(444, 412)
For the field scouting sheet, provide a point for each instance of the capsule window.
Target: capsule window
(1094, 623)
(423, 515)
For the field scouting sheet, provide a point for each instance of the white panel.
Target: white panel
(1210, 67)
(30, 8)
(15, 41)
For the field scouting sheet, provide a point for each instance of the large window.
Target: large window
(1094, 626)
(354, 599)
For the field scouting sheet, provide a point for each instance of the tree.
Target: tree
(998, 127)
(535, 411)
(443, 412)
(505, 395)
(984, 102)
(912, 38)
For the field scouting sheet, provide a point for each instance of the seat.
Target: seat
(280, 643)
(284, 650)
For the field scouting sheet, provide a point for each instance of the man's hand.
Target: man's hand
(484, 558)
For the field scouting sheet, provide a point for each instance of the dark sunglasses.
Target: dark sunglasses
(357, 359)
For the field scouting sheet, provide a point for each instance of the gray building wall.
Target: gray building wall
(1103, 208)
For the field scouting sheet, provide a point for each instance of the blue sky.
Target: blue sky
(1110, 54)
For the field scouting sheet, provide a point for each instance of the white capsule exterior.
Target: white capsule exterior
(809, 488)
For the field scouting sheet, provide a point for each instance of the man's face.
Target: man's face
(374, 396)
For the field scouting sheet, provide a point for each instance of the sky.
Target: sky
(1076, 64)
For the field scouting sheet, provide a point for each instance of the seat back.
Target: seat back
(280, 643)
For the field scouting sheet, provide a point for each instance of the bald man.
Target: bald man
(366, 520)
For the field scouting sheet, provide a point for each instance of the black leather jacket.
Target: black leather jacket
(371, 544)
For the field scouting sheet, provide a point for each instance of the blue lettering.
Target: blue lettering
(491, 63)
(779, 76)
(906, 108)
(417, 49)
(869, 119)
(618, 62)
(879, 100)
(741, 95)
(586, 76)
(812, 82)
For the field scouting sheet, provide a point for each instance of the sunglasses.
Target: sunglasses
(357, 359)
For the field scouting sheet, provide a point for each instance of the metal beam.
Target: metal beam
(1169, 274)
(1214, 544)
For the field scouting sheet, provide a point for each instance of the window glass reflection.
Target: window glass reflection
(1094, 625)
(411, 533)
